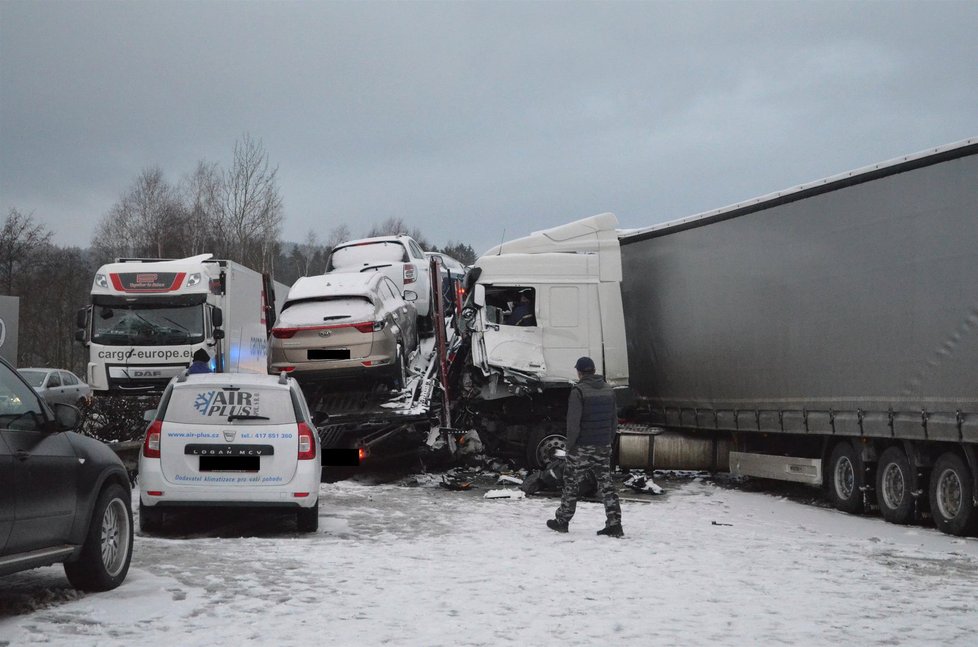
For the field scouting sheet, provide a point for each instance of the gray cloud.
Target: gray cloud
(471, 119)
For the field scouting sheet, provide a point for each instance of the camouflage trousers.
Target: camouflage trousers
(578, 461)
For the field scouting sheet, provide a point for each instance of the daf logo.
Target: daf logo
(138, 373)
(325, 333)
(229, 435)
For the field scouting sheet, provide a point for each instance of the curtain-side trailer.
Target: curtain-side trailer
(827, 334)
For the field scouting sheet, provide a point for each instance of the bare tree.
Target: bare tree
(201, 192)
(146, 220)
(251, 207)
(20, 239)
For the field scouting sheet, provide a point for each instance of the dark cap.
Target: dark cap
(200, 355)
(585, 365)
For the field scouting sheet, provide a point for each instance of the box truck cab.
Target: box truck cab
(148, 317)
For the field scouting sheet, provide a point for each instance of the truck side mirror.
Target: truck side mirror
(81, 318)
(218, 334)
(80, 336)
(479, 295)
(217, 317)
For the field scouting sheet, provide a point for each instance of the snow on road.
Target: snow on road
(396, 565)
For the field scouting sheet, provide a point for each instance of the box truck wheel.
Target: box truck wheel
(951, 495)
(846, 478)
(893, 479)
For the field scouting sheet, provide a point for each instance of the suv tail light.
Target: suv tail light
(283, 333)
(410, 273)
(151, 443)
(370, 326)
(307, 444)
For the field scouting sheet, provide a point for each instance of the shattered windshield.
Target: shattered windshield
(147, 325)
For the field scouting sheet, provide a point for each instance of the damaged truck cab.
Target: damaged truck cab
(537, 304)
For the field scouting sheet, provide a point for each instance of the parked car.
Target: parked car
(230, 440)
(58, 385)
(64, 497)
(398, 257)
(452, 275)
(345, 325)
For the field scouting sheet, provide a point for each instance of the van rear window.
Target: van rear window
(211, 405)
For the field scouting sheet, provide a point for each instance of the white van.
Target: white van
(230, 439)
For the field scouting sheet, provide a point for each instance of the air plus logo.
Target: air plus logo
(231, 403)
(203, 402)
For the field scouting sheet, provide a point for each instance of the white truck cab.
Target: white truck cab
(569, 277)
(148, 316)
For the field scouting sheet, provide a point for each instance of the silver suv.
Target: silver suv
(399, 257)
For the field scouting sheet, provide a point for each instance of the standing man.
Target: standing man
(592, 421)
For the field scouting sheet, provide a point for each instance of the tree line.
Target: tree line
(235, 213)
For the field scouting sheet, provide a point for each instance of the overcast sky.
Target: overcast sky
(473, 120)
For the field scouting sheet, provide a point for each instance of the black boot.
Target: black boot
(559, 526)
(611, 531)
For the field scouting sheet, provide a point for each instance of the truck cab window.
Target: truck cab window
(511, 306)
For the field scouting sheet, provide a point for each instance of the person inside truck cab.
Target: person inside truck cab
(522, 313)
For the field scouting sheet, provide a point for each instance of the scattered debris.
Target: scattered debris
(450, 482)
(717, 523)
(506, 478)
(504, 494)
(642, 483)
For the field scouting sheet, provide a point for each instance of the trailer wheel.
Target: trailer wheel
(542, 445)
(893, 479)
(846, 478)
(951, 496)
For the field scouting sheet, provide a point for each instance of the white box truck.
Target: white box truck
(148, 317)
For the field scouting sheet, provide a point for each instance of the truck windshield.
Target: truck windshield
(148, 325)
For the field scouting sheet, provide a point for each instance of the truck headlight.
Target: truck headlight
(100, 281)
(193, 279)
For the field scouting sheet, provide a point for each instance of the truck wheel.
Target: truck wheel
(893, 479)
(542, 444)
(951, 496)
(105, 555)
(846, 478)
(307, 519)
(150, 519)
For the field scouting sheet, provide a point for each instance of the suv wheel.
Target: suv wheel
(107, 551)
(307, 519)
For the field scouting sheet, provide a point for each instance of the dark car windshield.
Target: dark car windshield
(148, 325)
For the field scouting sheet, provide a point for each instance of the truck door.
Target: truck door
(567, 310)
(511, 336)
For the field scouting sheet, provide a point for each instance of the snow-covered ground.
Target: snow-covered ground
(397, 565)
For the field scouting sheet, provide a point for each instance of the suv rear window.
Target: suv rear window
(210, 405)
(369, 253)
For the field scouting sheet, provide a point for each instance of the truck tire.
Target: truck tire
(893, 483)
(307, 519)
(150, 519)
(542, 444)
(951, 496)
(846, 478)
(107, 551)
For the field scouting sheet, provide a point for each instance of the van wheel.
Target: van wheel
(107, 551)
(150, 519)
(541, 446)
(307, 519)
(951, 496)
(893, 479)
(846, 478)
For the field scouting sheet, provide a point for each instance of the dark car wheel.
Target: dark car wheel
(307, 519)
(107, 551)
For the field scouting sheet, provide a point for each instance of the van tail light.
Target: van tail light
(307, 444)
(410, 273)
(369, 326)
(284, 333)
(151, 443)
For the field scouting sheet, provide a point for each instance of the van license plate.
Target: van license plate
(230, 463)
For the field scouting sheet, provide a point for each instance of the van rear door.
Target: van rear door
(228, 436)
